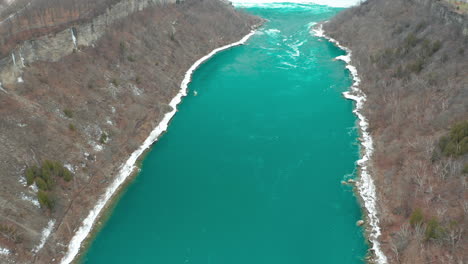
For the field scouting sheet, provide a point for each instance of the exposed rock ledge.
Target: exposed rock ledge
(54, 47)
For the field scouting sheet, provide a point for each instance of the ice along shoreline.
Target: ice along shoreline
(365, 185)
(130, 165)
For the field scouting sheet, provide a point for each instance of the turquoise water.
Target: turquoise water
(249, 171)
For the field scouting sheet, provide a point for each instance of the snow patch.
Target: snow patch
(21, 59)
(75, 44)
(136, 91)
(97, 147)
(365, 184)
(33, 200)
(34, 188)
(22, 181)
(1, 88)
(4, 251)
(69, 167)
(20, 80)
(44, 236)
(129, 166)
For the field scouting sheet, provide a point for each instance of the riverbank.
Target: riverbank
(411, 56)
(114, 93)
(365, 184)
(129, 165)
(240, 176)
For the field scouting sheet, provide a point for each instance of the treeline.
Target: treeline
(426, 48)
(454, 145)
(456, 142)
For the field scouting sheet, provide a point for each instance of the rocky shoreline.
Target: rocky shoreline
(129, 166)
(365, 188)
(410, 56)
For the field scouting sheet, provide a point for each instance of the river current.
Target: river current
(250, 169)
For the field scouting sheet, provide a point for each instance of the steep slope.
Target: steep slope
(412, 57)
(22, 20)
(89, 110)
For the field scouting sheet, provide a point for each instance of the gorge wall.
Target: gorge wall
(88, 106)
(53, 46)
(412, 58)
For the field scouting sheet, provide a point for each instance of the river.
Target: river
(250, 169)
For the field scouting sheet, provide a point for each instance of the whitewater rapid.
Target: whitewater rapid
(365, 185)
(129, 166)
(332, 3)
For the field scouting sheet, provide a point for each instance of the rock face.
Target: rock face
(412, 58)
(115, 80)
(53, 48)
(445, 12)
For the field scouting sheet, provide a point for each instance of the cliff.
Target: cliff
(412, 58)
(57, 44)
(87, 105)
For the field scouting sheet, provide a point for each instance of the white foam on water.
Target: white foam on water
(295, 47)
(265, 48)
(129, 166)
(272, 32)
(318, 31)
(44, 236)
(288, 64)
(346, 58)
(332, 3)
(365, 185)
(311, 24)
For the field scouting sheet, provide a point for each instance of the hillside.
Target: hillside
(412, 57)
(77, 102)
